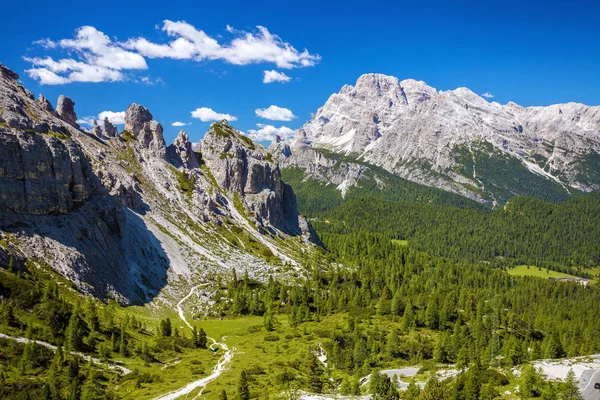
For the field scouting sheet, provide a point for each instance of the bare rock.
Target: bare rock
(65, 107)
(45, 104)
(8, 73)
(181, 154)
(96, 130)
(109, 129)
(135, 118)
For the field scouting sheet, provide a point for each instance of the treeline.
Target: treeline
(524, 231)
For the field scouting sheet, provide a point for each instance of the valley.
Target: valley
(315, 268)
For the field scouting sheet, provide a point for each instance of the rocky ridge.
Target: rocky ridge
(128, 217)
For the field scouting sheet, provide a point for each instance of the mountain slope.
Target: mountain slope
(128, 217)
(427, 136)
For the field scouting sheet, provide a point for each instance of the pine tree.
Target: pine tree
(382, 387)
(165, 327)
(243, 387)
(473, 383)
(412, 392)
(223, 395)
(433, 390)
(202, 339)
(75, 332)
(570, 388)
(314, 373)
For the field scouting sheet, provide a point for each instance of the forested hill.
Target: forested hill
(524, 231)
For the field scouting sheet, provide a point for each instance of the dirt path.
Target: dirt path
(217, 371)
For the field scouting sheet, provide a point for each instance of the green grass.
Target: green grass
(524, 270)
(400, 242)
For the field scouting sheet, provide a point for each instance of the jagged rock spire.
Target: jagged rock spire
(65, 107)
(180, 153)
(109, 129)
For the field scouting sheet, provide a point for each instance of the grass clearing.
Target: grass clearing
(539, 272)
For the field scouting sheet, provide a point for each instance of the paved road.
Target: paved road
(586, 385)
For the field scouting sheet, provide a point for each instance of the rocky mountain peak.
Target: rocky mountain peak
(135, 118)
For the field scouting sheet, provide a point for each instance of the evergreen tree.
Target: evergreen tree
(314, 373)
(382, 387)
(412, 392)
(243, 387)
(570, 388)
(223, 395)
(433, 390)
(165, 327)
(76, 331)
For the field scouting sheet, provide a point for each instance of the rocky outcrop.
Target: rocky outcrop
(65, 107)
(42, 175)
(135, 118)
(46, 105)
(7, 73)
(109, 129)
(246, 170)
(147, 133)
(181, 154)
(96, 130)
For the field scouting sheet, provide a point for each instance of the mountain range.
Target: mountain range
(453, 140)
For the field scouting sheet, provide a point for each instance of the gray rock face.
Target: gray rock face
(148, 133)
(109, 129)
(180, 153)
(96, 130)
(46, 105)
(135, 118)
(416, 132)
(41, 174)
(7, 73)
(65, 107)
(242, 168)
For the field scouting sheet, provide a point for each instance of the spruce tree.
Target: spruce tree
(243, 387)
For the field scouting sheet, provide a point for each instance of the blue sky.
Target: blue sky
(538, 53)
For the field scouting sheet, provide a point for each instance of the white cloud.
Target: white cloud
(46, 43)
(275, 113)
(94, 57)
(86, 121)
(205, 114)
(98, 60)
(275, 76)
(268, 132)
(487, 95)
(117, 118)
(177, 123)
(246, 48)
